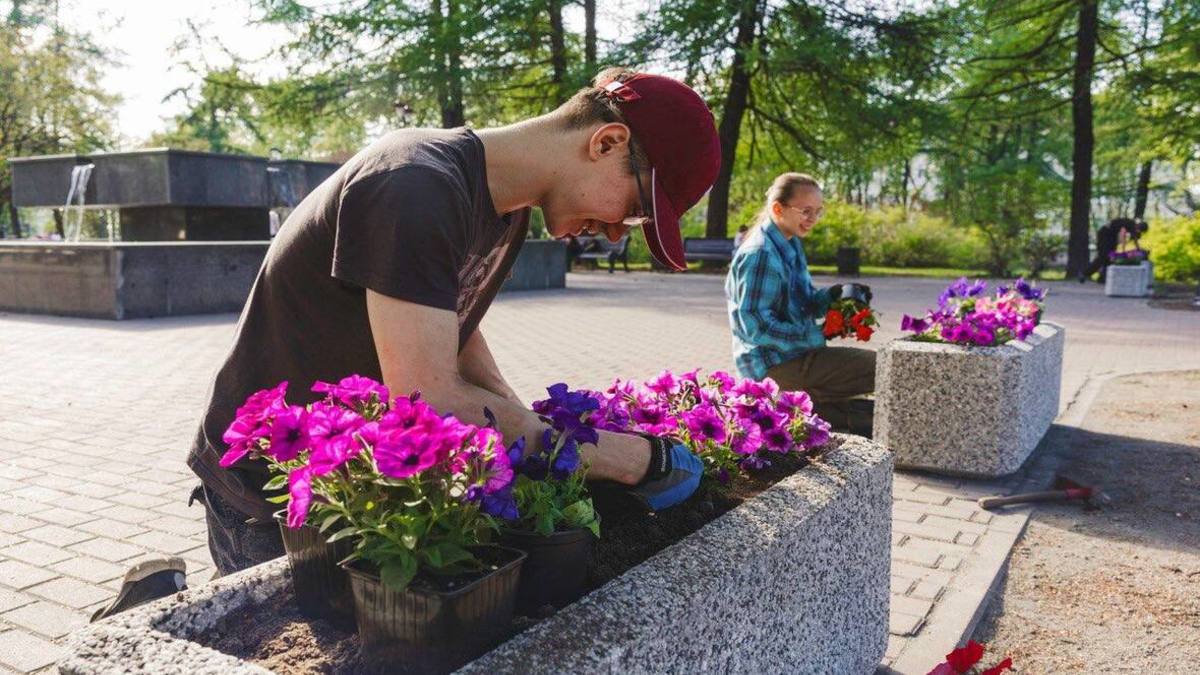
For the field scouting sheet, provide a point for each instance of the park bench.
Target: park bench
(600, 248)
(698, 248)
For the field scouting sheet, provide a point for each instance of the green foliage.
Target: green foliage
(1174, 246)
(891, 238)
(51, 100)
(549, 506)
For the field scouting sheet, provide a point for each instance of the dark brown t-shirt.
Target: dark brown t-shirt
(410, 217)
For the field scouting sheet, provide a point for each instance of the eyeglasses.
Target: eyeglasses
(809, 213)
(638, 219)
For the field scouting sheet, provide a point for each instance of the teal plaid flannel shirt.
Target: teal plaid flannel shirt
(773, 305)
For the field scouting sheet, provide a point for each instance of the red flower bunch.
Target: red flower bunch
(847, 317)
(962, 659)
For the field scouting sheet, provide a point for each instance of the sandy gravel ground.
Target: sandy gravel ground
(1116, 589)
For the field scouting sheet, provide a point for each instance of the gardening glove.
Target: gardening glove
(673, 476)
(860, 292)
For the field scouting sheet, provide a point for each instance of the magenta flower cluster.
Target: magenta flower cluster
(967, 315)
(357, 433)
(732, 424)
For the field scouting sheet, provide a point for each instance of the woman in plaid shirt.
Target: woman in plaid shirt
(773, 307)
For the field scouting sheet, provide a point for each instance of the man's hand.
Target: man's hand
(673, 475)
(418, 350)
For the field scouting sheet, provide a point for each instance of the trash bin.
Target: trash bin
(848, 261)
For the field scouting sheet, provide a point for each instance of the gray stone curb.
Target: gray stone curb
(795, 578)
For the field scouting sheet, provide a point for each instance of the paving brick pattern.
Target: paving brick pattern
(96, 417)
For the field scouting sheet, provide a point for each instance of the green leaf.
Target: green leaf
(276, 483)
(399, 573)
(330, 521)
(579, 514)
(279, 499)
(409, 540)
(342, 534)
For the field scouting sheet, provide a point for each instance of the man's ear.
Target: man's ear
(608, 139)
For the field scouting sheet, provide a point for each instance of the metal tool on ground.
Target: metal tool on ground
(1065, 489)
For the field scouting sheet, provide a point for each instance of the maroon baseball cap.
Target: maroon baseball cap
(676, 131)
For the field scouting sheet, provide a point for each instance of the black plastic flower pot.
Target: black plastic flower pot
(321, 586)
(555, 570)
(848, 261)
(422, 631)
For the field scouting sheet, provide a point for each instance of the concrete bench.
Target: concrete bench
(698, 248)
(600, 248)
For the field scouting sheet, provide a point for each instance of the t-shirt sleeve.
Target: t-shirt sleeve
(402, 233)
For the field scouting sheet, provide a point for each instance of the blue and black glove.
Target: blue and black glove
(673, 476)
(852, 291)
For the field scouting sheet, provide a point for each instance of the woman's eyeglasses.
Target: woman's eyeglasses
(808, 213)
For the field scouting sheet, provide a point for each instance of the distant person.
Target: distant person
(774, 308)
(1117, 231)
(740, 237)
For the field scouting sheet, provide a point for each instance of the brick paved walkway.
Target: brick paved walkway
(96, 416)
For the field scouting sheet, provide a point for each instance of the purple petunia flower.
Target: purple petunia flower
(500, 504)
(562, 398)
(794, 403)
(665, 384)
(566, 461)
(300, 493)
(818, 432)
(401, 453)
(289, 434)
(705, 424)
(354, 390)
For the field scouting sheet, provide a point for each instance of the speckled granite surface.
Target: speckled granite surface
(976, 411)
(156, 638)
(1128, 281)
(794, 580)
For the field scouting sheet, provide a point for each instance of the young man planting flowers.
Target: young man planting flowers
(387, 268)
(774, 309)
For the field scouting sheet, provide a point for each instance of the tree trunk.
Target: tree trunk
(907, 179)
(449, 80)
(1143, 191)
(730, 127)
(1081, 113)
(558, 51)
(457, 115)
(14, 220)
(589, 36)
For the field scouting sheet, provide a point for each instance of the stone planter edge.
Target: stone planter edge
(839, 507)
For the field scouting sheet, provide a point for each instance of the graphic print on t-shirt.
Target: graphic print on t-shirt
(472, 278)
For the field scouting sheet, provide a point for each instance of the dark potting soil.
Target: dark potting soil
(630, 535)
(277, 637)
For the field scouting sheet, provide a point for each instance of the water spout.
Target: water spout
(80, 175)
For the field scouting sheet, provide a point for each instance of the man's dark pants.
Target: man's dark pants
(1106, 243)
(234, 543)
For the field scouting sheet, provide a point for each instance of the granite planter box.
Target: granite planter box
(793, 580)
(973, 411)
(1129, 281)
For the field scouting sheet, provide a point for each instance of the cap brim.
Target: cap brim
(662, 234)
